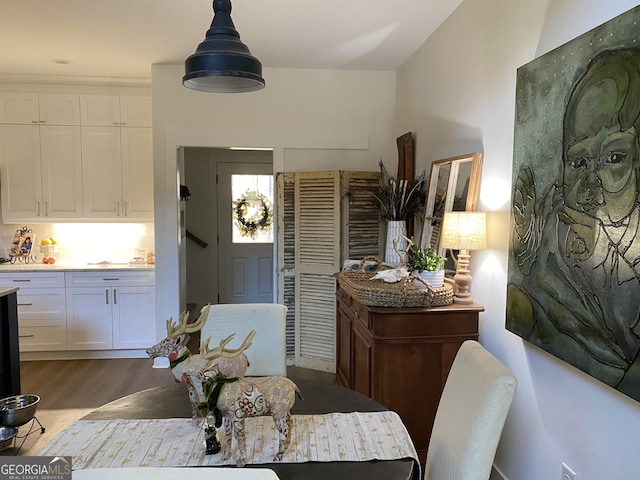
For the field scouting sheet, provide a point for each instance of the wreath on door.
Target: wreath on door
(253, 213)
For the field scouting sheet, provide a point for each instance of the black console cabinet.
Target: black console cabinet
(9, 353)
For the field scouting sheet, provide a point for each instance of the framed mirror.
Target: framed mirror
(453, 187)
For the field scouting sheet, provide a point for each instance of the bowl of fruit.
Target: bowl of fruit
(48, 246)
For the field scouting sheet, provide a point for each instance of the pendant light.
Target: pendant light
(222, 63)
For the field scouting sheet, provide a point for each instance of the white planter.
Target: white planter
(434, 279)
(396, 230)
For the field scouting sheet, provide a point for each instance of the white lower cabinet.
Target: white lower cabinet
(110, 310)
(42, 317)
(104, 310)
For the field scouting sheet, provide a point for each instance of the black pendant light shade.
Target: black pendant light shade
(222, 63)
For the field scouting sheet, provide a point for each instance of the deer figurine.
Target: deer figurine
(185, 366)
(249, 397)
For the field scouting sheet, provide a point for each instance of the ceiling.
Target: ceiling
(122, 38)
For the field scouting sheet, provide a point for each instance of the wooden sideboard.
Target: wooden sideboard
(401, 357)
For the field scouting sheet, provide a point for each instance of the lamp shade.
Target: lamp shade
(222, 63)
(464, 231)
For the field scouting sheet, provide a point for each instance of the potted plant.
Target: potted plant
(425, 263)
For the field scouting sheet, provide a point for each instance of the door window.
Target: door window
(252, 204)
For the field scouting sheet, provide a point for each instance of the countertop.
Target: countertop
(8, 290)
(69, 266)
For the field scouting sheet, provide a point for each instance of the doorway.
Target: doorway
(222, 276)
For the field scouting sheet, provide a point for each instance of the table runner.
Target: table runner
(176, 442)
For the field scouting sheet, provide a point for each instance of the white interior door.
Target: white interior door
(245, 230)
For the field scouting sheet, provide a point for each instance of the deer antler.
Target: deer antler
(220, 351)
(175, 330)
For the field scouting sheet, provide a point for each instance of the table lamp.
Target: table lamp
(463, 231)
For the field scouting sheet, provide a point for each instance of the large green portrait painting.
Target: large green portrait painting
(574, 263)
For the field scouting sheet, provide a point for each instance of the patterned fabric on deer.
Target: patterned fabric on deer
(188, 368)
(214, 387)
(238, 398)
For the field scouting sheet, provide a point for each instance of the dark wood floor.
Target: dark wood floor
(92, 383)
(89, 383)
(70, 389)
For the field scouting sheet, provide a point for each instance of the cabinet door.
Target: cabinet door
(19, 108)
(100, 110)
(89, 325)
(102, 172)
(137, 172)
(133, 317)
(362, 362)
(61, 171)
(135, 111)
(58, 109)
(21, 172)
(343, 348)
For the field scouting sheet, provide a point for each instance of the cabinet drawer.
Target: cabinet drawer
(353, 309)
(26, 280)
(43, 339)
(110, 279)
(38, 306)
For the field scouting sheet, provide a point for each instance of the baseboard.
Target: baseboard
(496, 475)
(83, 354)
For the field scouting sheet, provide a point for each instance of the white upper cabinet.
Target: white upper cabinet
(56, 109)
(21, 172)
(135, 111)
(19, 108)
(60, 152)
(100, 110)
(137, 172)
(117, 166)
(41, 172)
(43, 108)
(66, 157)
(113, 110)
(102, 172)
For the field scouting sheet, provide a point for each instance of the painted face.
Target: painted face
(600, 159)
(163, 348)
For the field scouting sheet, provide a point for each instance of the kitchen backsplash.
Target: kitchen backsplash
(86, 242)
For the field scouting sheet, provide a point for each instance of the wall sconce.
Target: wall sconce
(463, 231)
(222, 63)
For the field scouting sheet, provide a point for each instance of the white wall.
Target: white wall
(313, 120)
(457, 92)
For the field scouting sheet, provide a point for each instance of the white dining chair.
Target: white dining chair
(267, 355)
(470, 416)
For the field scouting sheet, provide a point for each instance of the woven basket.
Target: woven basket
(378, 293)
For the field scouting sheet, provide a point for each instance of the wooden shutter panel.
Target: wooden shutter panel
(285, 187)
(317, 259)
(361, 226)
(323, 219)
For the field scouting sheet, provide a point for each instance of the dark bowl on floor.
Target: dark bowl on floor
(18, 410)
(6, 436)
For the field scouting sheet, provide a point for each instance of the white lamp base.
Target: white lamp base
(462, 278)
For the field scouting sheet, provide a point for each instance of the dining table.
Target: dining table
(318, 398)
